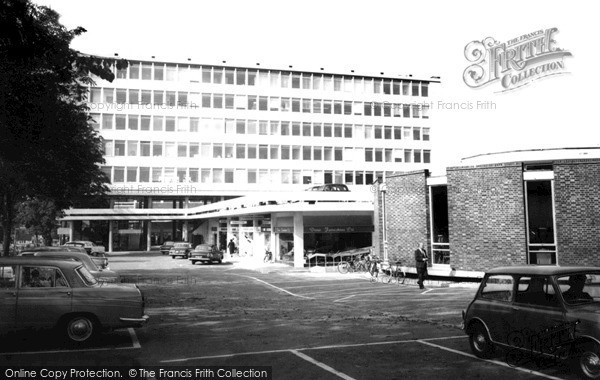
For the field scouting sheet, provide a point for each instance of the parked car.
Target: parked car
(180, 249)
(330, 187)
(43, 293)
(90, 247)
(206, 253)
(166, 247)
(103, 275)
(545, 311)
(100, 259)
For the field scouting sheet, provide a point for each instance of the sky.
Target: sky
(422, 38)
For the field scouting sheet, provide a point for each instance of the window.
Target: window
(427, 156)
(119, 174)
(252, 102)
(41, 277)
(171, 72)
(498, 287)
(144, 174)
(251, 77)
(306, 105)
(121, 96)
(296, 128)
(182, 150)
(157, 150)
(415, 88)
(285, 128)
(306, 128)
(206, 75)
(416, 133)
(194, 150)
(327, 130)
(218, 101)
(348, 130)
(170, 124)
(337, 107)
(131, 174)
(274, 152)
(240, 75)
(537, 290)
(134, 71)
(158, 72)
(217, 75)
(337, 130)
(316, 129)
(146, 71)
(145, 125)
(285, 152)
(252, 151)
(171, 98)
(229, 101)
(134, 96)
(263, 102)
(145, 148)
(120, 121)
(263, 152)
(425, 89)
(317, 153)
(369, 154)
(306, 153)
(132, 148)
(327, 107)
(295, 105)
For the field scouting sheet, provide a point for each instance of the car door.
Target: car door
(493, 306)
(539, 316)
(44, 295)
(8, 297)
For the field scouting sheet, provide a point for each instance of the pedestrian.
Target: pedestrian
(421, 264)
(231, 247)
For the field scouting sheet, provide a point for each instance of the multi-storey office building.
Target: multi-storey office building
(179, 136)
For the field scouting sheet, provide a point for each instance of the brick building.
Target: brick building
(524, 207)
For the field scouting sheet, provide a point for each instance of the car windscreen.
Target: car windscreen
(580, 288)
(86, 276)
(181, 245)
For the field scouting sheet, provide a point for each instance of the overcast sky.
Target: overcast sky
(423, 38)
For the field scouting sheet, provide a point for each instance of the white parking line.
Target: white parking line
(503, 364)
(345, 298)
(134, 340)
(322, 365)
(333, 346)
(277, 287)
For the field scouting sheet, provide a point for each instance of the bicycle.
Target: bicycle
(374, 269)
(393, 273)
(358, 265)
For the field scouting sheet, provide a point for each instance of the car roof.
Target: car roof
(33, 260)
(547, 270)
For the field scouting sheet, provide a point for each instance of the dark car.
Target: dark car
(206, 253)
(99, 258)
(103, 275)
(90, 247)
(166, 247)
(545, 311)
(181, 249)
(330, 187)
(44, 293)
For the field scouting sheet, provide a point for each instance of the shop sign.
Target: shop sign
(283, 230)
(338, 229)
(265, 229)
(130, 231)
(63, 231)
(234, 229)
(237, 222)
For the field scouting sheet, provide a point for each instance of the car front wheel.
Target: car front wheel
(587, 360)
(480, 342)
(80, 328)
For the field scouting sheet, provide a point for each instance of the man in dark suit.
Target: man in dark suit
(421, 264)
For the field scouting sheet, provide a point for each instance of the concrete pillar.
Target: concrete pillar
(298, 240)
(71, 226)
(275, 248)
(110, 236)
(149, 235)
(184, 232)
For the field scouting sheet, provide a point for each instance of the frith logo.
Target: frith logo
(515, 63)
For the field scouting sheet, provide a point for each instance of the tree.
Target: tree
(39, 216)
(48, 149)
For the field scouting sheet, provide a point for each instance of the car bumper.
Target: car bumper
(135, 321)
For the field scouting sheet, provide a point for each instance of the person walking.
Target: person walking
(231, 247)
(421, 264)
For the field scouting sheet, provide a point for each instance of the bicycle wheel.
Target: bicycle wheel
(374, 279)
(343, 268)
(386, 278)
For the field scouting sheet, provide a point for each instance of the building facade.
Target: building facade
(528, 207)
(178, 136)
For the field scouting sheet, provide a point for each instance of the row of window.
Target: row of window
(102, 97)
(123, 174)
(272, 79)
(253, 127)
(122, 148)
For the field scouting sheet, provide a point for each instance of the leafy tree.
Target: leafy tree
(39, 216)
(48, 149)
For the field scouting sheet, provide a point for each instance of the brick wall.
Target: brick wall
(486, 216)
(407, 215)
(577, 209)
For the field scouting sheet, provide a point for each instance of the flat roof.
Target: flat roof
(533, 155)
(276, 67)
